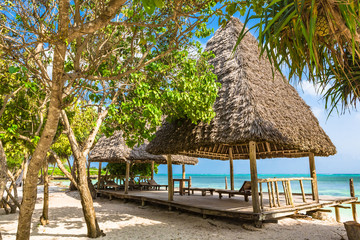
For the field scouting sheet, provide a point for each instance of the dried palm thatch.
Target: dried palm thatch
(251, 106)
(114, 149)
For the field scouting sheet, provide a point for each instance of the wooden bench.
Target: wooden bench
(231, 193)
(245, 190)
(153, 184)
(203, 190)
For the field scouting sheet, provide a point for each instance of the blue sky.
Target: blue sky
(343, 130)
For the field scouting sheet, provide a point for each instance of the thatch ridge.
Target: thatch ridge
(114, 149)
(251, 106)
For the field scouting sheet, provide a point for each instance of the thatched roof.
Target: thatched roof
(251, 106)
(114, 149)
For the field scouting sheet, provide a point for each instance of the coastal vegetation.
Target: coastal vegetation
(315, 41)
(131, 65)
(72, 71)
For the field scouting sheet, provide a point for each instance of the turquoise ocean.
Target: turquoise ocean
(328, 184)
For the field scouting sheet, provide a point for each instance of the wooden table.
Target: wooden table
(182, 187)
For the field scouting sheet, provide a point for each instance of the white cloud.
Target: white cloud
(357, 116)
(311, 89)
(318, 112)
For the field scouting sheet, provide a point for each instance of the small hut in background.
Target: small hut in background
(257, 116)
(115, 150)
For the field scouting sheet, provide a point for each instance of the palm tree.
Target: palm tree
(315, 39)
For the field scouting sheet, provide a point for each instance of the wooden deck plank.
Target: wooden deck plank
(234, 207)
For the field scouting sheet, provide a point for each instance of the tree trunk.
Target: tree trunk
(3, 170)
(80, 161)
(49, 131)
(11, 188)
(73, 187)
(88, 169)
(41, 182)
(52, 173)
(87, 201)
(3, 173)
(44, 219)
(30, 187)
(63, 169)
(69, 163)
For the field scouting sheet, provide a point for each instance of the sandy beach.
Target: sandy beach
(121, 220)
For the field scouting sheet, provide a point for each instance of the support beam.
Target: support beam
(170, 179)
(99, 176)
(352, 194)
(127, 177)
(254, 178)
(183, 174)
(183, 171)
(337, 214)
(231, 168)
(152, 169)
(314, 186)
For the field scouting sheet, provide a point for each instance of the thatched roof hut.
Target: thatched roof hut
(114, 149)
(251, 106)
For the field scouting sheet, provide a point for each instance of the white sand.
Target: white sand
(129, 221)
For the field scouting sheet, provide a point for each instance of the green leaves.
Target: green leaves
(150, 5)
(304, 36)
(138, 169)
(13, 69)
(177, 87)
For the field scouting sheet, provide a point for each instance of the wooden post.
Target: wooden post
(272, 193)
(226, 185)
(254, 179)
(231, 168)
(277, 193)
(127, 175)
(352, 230)
(152, 169)
(352, 194)
(288, 184)
(183, 175)
(189, 181)
(314, 186)
(99, 176)
(170, 179)
(261, 197)
(302, 190)
(269, 192)
(285, 193)
(337, 214)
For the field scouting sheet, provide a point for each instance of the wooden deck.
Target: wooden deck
(234, 207)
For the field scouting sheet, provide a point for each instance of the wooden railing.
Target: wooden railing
(274, 193)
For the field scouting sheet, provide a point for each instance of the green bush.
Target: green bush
(142, 169)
